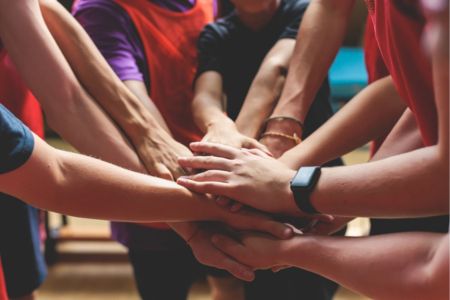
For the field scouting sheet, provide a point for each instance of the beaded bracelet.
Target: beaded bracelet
(293, 138)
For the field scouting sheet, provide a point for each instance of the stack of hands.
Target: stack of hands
(243, 177)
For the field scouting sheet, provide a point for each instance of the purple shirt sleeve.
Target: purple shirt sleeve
(114, 34)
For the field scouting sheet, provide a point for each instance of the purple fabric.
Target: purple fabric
(113, 32)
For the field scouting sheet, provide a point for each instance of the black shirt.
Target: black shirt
(16, 141)
(236, 52)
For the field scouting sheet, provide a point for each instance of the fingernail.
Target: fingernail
(288, 232)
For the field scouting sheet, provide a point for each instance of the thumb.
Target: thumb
(161, 171)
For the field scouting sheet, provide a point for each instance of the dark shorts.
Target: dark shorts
(20, 248)
(163, 264)
(168, 274)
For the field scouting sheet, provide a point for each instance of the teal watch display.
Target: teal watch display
(302, 186)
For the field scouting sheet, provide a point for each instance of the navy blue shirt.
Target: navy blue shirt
(237, 52)
(16, 141)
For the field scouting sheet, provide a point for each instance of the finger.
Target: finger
(236, 207)
(220, 260)
(259, 223)
(160, 170)
(257, 145)
(230, 247)
(223, 201)
(259, 152)
(215, 188)
(215, 149)
(237, 269)
(210, 175)
(276, 229)
(205, 162)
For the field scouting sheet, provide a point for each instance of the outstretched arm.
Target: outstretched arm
(379, 267)
(265, 89)
(369, 115)
(210, 115)
(320, 35)
(143, 125)
(82, 186)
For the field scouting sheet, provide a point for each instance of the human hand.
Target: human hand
(247, 220)
(248, 176)
(255, 250)
(227, 134)
(159, 153)
(206, 253)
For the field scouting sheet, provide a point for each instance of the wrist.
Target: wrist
(297, 247)
(221, 125)
(290, 207)
(285, 126)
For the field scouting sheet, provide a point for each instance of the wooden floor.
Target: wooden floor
(114, 280)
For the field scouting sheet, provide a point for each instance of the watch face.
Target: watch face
(304, 177)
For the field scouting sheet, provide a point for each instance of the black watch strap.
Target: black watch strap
(302, 186)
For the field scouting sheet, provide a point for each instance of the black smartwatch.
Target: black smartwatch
(302, 185)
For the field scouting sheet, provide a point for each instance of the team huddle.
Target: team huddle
(207, 137)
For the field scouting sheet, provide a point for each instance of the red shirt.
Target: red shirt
(398, 27)
(3, 294)
(15, 96)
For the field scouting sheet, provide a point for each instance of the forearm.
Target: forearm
(82, 186)
(69, 109)
(320, 36)
(370, 114)
(265, 89)
(380, 267)
(381, 189)
(96, 75)
(208, 107)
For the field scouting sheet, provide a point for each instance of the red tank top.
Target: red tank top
(169, 39)
(376, 69)
(398, 27)
(15, 96)
(3, 295)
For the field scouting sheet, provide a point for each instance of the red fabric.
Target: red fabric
(169, 40)
(3, 294)
(15, 96)
(376, 69)
(398, 27)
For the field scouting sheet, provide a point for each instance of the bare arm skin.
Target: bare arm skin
(79, 185)
(210, 114)
(69, 108)
(320, 35)
(379, 267)
(265, 89)
(141, 123)
(412, 184)
(370, 114)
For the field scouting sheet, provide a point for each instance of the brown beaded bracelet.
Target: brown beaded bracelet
(293, 138)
